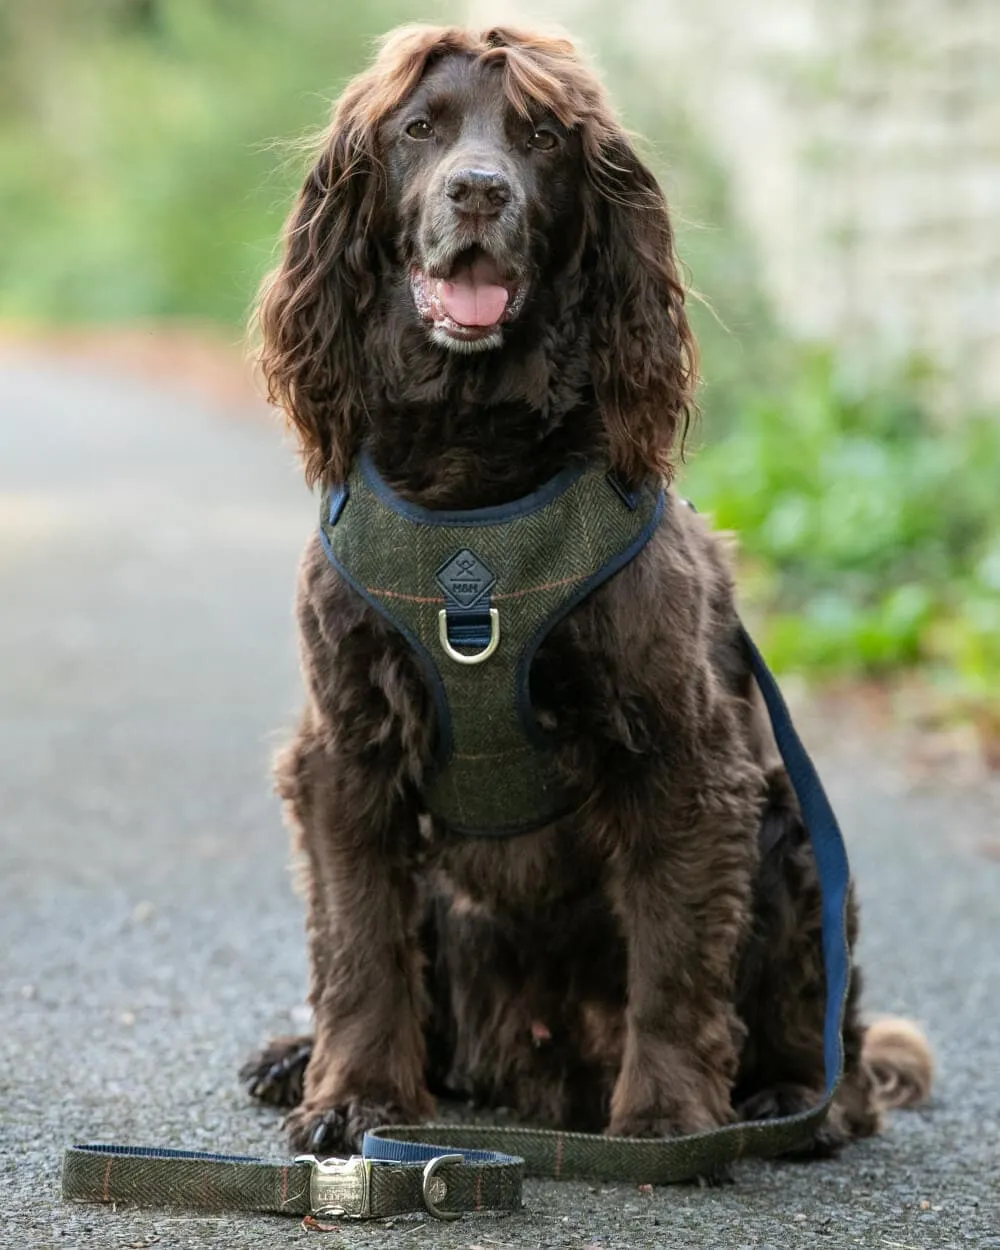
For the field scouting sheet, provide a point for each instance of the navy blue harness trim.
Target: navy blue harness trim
(524, 506)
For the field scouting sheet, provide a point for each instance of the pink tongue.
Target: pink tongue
(471, 299)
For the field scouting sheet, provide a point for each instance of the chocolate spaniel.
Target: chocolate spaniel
(479, 293)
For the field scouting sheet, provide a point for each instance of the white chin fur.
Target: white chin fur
(466, 346)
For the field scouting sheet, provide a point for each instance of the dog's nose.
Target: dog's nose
(483, 191)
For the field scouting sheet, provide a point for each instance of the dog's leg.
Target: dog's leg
(368, 1055)
(682, 893)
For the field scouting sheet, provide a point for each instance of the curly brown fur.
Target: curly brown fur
(651, 965)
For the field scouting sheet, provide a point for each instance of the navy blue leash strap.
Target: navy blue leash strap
(831, 862)
(447, 1169)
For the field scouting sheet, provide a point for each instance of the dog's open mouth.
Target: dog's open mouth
(470, 303)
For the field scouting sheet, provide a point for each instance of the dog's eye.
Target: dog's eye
(543, 141)
(420, 129)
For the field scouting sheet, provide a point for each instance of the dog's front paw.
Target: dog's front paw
(665, 1092)
(276, 1074)
(340, 1129)
(676, 1108)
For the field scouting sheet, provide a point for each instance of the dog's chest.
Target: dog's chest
(526, 876)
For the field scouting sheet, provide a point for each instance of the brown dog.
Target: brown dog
(479, 285)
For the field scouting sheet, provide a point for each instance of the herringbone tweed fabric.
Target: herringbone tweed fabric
(496, 776)
(147, 1177)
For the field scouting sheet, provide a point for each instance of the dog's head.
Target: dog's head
(482, 189)
(476, 192)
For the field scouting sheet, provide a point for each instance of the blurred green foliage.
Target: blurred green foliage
(870, 534)
(139, 173)
(868, 529)
(143, 174)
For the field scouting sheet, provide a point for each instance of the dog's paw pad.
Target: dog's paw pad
(276, 1075)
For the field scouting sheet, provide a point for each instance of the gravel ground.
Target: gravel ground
(149, 934)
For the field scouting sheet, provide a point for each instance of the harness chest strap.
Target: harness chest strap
(475, 593)
(448, 1169)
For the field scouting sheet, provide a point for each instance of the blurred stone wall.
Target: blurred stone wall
(862, 140)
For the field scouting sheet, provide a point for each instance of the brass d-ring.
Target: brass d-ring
(479, 656)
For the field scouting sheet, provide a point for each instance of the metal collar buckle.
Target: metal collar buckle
(339, 1187)
(435, 1189)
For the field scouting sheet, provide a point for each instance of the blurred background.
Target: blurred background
(834, 170)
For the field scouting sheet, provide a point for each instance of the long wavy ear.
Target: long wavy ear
(310, 307)
(644, 361)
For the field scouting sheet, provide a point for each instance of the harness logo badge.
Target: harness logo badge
(465, 579)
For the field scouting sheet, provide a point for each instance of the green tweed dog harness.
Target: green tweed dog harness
(475, 593)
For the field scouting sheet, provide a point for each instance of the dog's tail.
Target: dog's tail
(899, 1059)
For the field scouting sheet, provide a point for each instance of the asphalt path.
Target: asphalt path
(149, 933)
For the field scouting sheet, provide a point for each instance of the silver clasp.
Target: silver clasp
(339, 1186)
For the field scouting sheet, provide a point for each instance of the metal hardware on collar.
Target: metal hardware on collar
(478, 656)
(435, 1189)
(339, 1186)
